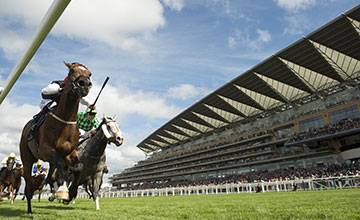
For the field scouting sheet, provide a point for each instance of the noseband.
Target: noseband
(75, 83)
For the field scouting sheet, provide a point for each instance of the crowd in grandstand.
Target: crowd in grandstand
(343, 125)
(322, 171)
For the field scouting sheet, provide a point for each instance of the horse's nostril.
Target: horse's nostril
(90, 84)
(81, 83)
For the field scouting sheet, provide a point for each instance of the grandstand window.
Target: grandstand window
(314, 122)
(350, 112)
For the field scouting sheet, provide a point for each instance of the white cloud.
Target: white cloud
(232, 42)
(295, 5)
(297, 24)
(254, 43)
(122, 102)
(125, 24)
(264, 35)
(185, 91)
(13, 119)
(226, 7)
(175, 5)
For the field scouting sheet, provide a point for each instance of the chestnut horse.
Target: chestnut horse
(7, 179)
(19, 172)
(38, 182)
(58, 136)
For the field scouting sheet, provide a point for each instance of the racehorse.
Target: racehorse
(58, 136)
(92, 155)
(7, 179)
(19, 172)
(38, 182)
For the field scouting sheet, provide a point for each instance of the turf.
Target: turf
(327, 204)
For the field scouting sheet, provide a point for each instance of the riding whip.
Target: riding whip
(106, 80)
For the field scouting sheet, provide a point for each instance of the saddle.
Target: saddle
(35, 124)
(38, 120)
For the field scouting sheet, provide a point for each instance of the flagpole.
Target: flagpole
(49, 20)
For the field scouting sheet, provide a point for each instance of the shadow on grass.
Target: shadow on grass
(7, 213)
(54, 207)
(58, 207)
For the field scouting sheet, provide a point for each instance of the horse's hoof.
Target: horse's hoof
(62, 195)
(66, 202)
(78, 167)
(51, 199)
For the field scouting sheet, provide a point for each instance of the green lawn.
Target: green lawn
(327, 204)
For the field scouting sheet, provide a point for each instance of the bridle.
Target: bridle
(74, 87)
(113, 138)
(75, 82)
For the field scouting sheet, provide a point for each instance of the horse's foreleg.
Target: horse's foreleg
(50, 179)
(62, 192)
(11, 194)
(28, 188)
(16, 192)
(59, 165)
(40, 191)
(73, 159)
(74, 186)
(91, 187)
(1, 191)
(97, 180)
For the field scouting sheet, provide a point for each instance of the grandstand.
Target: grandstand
(298, 109)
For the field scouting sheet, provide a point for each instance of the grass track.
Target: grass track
(327, 204)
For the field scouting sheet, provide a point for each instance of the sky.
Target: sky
(162, 56)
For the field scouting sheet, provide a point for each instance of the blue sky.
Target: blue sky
(162, 56)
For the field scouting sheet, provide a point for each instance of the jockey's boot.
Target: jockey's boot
(34, 125)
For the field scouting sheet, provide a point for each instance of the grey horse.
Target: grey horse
(92, 156)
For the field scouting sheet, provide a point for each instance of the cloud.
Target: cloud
(226, 7)
(297, 24)
(185, 91)
(295, 5)
(244, 38)
(232, 42)
(13, 118)
(125, 24)
(122, 102)
(175, 5)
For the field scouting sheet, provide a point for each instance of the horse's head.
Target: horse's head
(111, 131)
(79, 77)
(10, 163)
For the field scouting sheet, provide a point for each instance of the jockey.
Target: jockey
(5, 160)
(38, 168)
(87, 121)
(52, 92)
(11, 155)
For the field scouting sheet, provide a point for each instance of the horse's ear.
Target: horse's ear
(67, 64)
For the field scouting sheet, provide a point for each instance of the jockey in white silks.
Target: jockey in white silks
(53, 91)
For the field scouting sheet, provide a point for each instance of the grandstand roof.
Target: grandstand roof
(313, 66)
